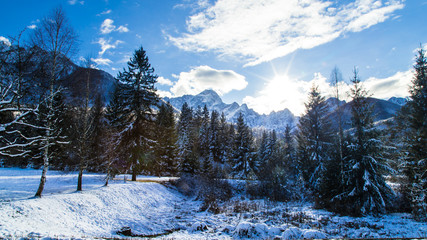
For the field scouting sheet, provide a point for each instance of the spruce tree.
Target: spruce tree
(186, 141)
(314, 139)
(138, 94)
(244, 153)
(365, 190)
(415, 167)
(165, 149)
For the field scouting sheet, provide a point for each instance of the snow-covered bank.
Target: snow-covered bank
(101, 211)
(150, 208)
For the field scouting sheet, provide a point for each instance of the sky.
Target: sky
(264, 53)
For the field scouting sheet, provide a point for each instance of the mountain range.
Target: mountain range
(382, 110)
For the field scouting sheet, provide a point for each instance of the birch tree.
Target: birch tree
(57, 38)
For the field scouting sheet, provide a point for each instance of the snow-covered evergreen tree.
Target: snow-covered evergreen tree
(138, 96)
(187, 140)
(365, 190)
(244, 151)
(166, 137)
(314, 139)
(214, 142)
(415, 167)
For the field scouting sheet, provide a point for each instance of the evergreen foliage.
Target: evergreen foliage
(165, 162)
(415, 166)
(314, 140)
(365, 190)
(243, 156)
(187, 141)
(137, 96)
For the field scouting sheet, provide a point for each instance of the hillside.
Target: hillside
(155, 210)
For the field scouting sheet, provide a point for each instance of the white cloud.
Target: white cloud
(260, 31)
(164, 81)
(284, 92)
(32, 26)
(204, 77)
(5, 41)
(102, 61)
(108, 26)
(394, 86)
(73, 2)
(164, 93)
(104, 12)
(107, 44)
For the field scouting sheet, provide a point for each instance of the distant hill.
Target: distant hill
(382, 110)
(100, 82)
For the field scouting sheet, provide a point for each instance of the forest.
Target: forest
(43, 124)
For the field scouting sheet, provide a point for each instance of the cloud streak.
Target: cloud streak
(260, 31)
(107, 44)
(102, 61)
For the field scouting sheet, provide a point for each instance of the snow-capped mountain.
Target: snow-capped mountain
(398, 100)
(275, 120)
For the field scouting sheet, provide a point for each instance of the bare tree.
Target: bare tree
(85, 126)
(57, 38)
(336, 78)
(14, 63)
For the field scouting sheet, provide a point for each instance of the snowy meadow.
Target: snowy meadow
(159, 210)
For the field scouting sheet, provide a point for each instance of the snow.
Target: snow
(152, 209)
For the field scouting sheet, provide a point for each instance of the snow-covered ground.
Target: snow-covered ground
(149, 208)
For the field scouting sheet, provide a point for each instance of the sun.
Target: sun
(278, 93)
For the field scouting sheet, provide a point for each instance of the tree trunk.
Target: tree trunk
(133, 175)
(80, 179)
(44, 172)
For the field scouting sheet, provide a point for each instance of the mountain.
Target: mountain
(275, 120)
(382, 110)
(398, 100)
(100, 82)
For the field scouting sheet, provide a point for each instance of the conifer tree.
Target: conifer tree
(314, 139)
(214, 142)
(415, 167)
(365, 190)
(187, 140)
(166, 138)
(244, 153)
(138, 94)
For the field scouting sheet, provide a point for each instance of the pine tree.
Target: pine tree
(244, 153)
(314, 139)
(415, 167)
(365, 190)
(204, 139)
(138, 94)
(115, 124)
(187, 140)
(166, 138)
(99, 135)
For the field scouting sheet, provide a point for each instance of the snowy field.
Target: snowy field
(154, 210)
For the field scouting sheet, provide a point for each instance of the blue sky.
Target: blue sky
(265, 53)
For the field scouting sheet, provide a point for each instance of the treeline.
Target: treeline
(137, 132)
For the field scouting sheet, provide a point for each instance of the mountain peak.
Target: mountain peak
(209, 92)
